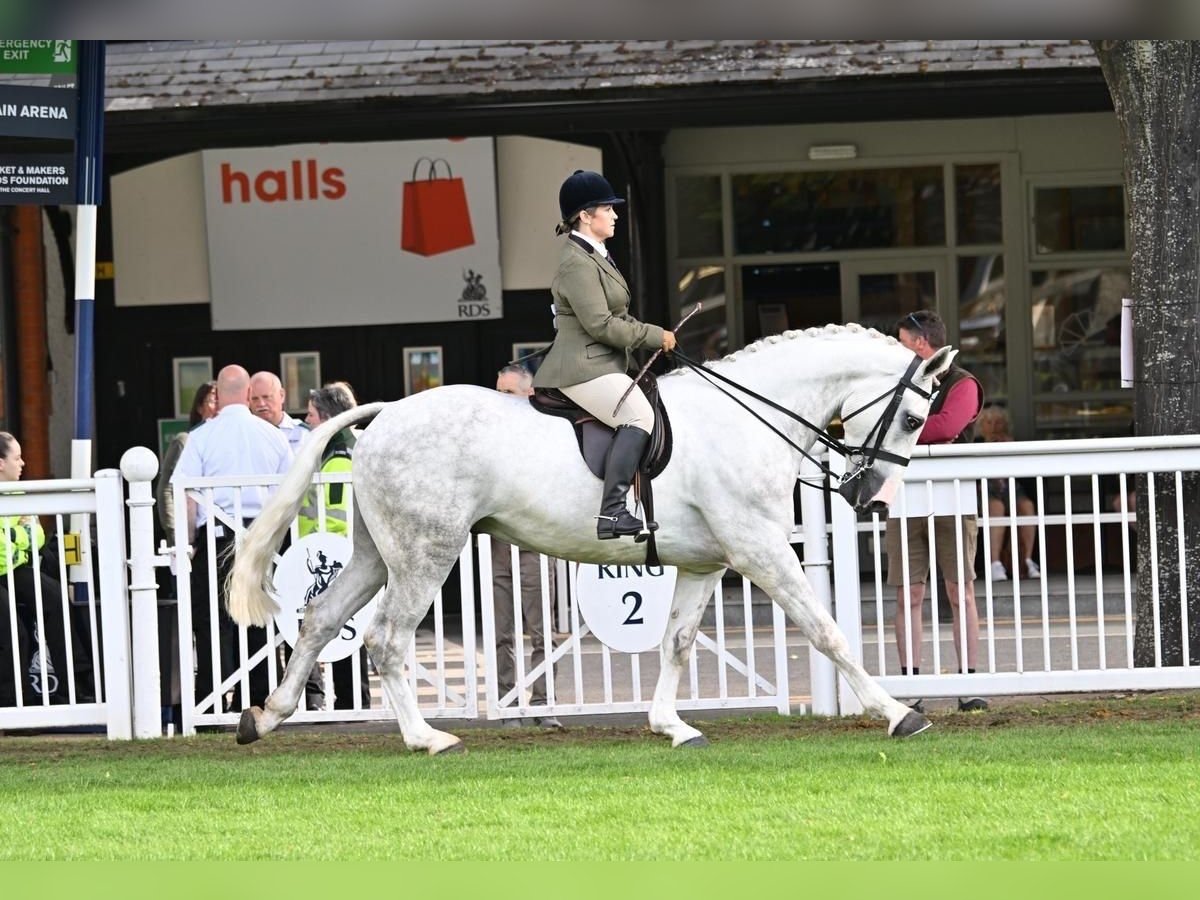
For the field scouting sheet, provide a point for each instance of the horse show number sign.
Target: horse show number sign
(626, 607)
(305, 571)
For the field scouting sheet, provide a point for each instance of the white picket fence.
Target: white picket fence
(1069, 630)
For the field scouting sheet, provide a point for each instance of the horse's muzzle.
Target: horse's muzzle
(868, 492)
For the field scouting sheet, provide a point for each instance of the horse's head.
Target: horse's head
(882, 417)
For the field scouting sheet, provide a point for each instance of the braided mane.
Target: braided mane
(819, 332)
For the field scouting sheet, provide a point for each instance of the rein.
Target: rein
(861, 459)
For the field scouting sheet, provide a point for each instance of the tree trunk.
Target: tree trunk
(1155, 87)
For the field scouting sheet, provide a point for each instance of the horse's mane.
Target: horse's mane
(819, 332)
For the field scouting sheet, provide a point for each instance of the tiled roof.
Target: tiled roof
(173, 74)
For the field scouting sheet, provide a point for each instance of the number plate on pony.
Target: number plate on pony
(626, 607)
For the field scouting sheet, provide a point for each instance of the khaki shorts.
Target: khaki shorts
(918, 549)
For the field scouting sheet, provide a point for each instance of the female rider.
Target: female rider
(596, 335)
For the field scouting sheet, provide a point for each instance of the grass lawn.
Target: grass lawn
(1116, 778)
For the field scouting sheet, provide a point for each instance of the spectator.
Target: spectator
(956, 404)
(232, 443)
(204, 407)
(22, 587)
(516, 380)
(994, 425)
(323, 404)
(266, 401)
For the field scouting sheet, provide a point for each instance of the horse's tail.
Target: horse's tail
(247, 588)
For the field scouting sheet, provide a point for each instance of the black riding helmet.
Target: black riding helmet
(582, 190)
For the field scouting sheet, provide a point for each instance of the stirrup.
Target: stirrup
(648, 528)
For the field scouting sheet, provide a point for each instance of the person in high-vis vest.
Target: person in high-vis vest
(21, 540)
(323, 404)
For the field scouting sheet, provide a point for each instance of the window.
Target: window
(1083, 218)
(977, 204)
(698, 215)
(1076, 319)
(794, 212)
(706, 335)
(982, 339)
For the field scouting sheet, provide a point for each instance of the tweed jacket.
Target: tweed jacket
(596, 335)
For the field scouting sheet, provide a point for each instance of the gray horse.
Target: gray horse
(430, 470)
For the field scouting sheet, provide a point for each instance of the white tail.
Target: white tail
(247, 593)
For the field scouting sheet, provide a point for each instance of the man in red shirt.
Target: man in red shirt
(956, 405)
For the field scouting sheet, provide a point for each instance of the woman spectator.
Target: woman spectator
(32, 598)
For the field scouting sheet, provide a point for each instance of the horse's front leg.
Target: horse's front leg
(692, 593)
(775, 569)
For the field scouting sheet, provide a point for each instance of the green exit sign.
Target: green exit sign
(37, 57)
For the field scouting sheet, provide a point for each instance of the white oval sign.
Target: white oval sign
(626, 607)
(306, 570)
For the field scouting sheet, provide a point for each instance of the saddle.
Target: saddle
(594, 438)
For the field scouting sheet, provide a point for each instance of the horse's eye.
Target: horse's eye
(912, 423)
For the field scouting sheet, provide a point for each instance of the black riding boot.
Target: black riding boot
(624, 454)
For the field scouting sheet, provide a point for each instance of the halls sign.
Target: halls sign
(322, 235)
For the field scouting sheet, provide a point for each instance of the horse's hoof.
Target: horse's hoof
(247, 730)
(696, 742)
(913, 723)
(456, 747)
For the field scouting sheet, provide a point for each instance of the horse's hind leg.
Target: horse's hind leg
(412, 584)
(326, 614)
(692, 593)
(777, 571)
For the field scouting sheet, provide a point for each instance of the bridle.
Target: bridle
(859, 459)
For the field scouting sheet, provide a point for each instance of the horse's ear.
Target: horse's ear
(937, 364)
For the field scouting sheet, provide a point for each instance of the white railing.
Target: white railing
(1069, 629)
(89, 622)
(1072, 628)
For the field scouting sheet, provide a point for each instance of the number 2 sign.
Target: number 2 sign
(626, 607)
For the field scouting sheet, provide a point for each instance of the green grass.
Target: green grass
(1115, 779)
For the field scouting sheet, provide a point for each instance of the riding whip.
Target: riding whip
(650, 361)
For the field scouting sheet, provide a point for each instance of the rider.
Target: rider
(596, 336)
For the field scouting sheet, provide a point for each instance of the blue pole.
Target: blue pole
(89, 182)
(89, 156)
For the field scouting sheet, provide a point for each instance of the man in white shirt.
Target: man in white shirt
(266, 401)
(232, 443)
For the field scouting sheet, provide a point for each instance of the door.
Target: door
(877, 293)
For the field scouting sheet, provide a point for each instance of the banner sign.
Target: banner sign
(323, 235)
(626, 607)
(306, 571)
(37, 57)
(40, 179)
(39, 112)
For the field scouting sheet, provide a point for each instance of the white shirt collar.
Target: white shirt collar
(600, 248)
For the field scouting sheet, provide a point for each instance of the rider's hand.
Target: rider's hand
(668, 341)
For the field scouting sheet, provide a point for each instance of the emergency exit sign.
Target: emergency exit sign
(37, 57)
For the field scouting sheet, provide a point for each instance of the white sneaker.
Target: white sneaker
(998, 572)
(1032, 569)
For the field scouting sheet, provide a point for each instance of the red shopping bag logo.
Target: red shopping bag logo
(434, 214)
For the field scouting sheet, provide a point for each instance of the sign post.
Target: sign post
(89, 182)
